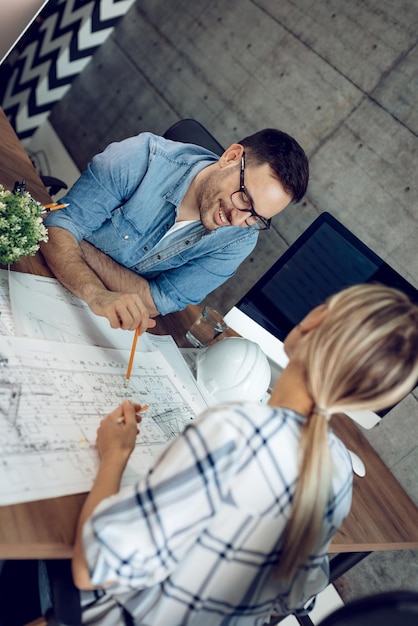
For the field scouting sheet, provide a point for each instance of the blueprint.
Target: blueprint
(52, 397)
(44, 309)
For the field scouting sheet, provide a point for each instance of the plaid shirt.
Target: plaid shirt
(196, 542)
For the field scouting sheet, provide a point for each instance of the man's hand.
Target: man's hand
(123, 310)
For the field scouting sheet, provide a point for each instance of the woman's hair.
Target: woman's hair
(363, 355)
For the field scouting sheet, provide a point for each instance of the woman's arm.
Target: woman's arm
(116, 438)
(141, 534)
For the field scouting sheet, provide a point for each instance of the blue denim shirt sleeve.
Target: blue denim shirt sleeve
(110, 178)
(127, 200)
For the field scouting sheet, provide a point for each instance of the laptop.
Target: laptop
(326, 258)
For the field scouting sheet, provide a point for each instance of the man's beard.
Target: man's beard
(210, 201)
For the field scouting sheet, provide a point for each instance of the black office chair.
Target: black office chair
(395, 608)
(40, 162)
(54, 185)
(191, 131)
(27, 577)
(66, 608)
(186, 131)
(338, 566)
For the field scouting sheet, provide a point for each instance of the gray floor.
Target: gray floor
(342, 77)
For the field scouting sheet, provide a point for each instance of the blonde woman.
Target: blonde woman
(234, 520)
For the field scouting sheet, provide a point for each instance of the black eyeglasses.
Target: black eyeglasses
(242, 201)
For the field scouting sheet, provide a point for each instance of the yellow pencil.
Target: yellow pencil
(53, 207)
(131, 359)
(121, 420)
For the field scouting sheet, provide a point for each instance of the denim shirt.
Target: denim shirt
(126, 201)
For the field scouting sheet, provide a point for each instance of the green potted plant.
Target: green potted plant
(21, 225)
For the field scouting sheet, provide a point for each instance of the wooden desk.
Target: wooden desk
(382, 517)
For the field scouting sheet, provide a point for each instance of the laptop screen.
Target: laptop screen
(323, 260)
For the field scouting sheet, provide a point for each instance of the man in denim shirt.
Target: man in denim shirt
(144, 233)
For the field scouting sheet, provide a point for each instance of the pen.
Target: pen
(52, 207)
(131, 359)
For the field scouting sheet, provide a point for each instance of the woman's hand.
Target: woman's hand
(116, 435)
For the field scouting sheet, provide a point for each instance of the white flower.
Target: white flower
(21, 227)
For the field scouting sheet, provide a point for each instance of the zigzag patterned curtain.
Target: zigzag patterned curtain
(56, 48)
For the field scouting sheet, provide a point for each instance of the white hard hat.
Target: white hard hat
(233, 369)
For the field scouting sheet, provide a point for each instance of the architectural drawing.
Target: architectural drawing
(52, 398)
(44, 309)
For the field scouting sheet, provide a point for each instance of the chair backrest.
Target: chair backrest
(54, 185)
(191, 131)
(396, 608)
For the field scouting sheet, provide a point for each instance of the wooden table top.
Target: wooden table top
(382, 517)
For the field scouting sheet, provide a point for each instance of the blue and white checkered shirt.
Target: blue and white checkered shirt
(196, 542)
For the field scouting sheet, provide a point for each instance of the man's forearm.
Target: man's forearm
(116, 277)
(66, 260)
(109, 289)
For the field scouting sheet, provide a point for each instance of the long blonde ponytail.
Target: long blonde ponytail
(363, 355)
